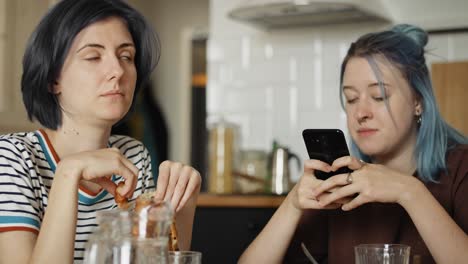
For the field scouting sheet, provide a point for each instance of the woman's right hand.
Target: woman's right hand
(303, 196)
(98, 166)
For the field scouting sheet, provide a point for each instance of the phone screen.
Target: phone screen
(326, 145)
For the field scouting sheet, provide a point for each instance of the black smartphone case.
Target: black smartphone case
(326, 145)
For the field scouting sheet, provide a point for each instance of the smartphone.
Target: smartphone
(326, 145)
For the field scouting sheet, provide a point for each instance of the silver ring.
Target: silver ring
(349, 178)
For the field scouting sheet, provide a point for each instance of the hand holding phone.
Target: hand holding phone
(326, 145)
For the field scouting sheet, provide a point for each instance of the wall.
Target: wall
(275, 84)
(429, 14)
(20, 19)
(176, 21)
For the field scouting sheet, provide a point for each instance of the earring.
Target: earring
(419, 120)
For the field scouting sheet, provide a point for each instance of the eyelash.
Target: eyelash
(378, 99)
(127, 58)
(92, 59)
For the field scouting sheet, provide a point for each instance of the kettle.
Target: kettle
(280, 170)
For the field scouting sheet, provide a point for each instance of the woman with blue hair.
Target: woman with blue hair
(410, 169)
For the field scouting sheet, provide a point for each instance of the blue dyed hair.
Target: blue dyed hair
(403, 47)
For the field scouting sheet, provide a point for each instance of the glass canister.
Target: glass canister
(223, 156)
(136, 237)
(150, 233)
(111, 239)
(252, 173)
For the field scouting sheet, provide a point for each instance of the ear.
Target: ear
(418, 109)
(55, 88)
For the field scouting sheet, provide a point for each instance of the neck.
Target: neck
(72, 138)
(401, 159)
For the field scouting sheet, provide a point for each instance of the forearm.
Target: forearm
(271, 244)
(446, 241)
(55, 242)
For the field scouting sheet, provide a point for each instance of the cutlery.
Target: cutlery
(307, 253)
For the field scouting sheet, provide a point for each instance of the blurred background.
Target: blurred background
(239, 80)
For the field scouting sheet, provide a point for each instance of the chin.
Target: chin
(369, 149)
(113, 118)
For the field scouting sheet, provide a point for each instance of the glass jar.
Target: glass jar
(251, 177)
(111, 239)
(223, 156)
(130, 237)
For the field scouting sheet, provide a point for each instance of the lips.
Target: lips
(367, 131)
(112, 93)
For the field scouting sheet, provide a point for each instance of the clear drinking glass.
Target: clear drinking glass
(382, 254)
(185, 257)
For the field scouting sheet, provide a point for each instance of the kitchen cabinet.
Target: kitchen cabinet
(225, 225)
(450, 87)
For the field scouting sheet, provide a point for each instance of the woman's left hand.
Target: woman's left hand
(371, 183)
(177, 184)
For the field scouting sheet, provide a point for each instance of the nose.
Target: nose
(363, 111)
(115, 69)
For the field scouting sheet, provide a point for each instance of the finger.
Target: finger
(129, 187)
(181, 185)
(305, 190)
(163, 179)
(107, 184)
(192, 186)
(314, 204)
(331, 184)
(174, 175)
(347, 161)
(344, 200)
(354, 203)
(135, 171)
(312, 165)
(130, 165)
(344, 192)
(127, 170)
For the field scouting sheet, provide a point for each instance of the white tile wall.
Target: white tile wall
(275, 84)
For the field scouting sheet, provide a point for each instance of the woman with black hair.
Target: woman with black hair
(82, 67)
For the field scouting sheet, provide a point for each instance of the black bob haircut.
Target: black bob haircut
(50, 42)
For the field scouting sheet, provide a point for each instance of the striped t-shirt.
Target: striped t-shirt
(27, 166)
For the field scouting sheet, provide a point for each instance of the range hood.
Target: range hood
(271, 14)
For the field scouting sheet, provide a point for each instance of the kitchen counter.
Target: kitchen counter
(239, 200)
(224, 225)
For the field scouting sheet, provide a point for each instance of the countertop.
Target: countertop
(239, 200)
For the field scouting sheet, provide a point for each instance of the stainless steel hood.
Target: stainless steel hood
(272, 14)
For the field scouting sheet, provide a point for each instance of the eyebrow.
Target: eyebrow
(374, 84)
(94, 45)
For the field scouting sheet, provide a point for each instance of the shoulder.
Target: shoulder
(457, 162)
(128, 146)
(124, 142)
(20, 143)
(457, 154)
